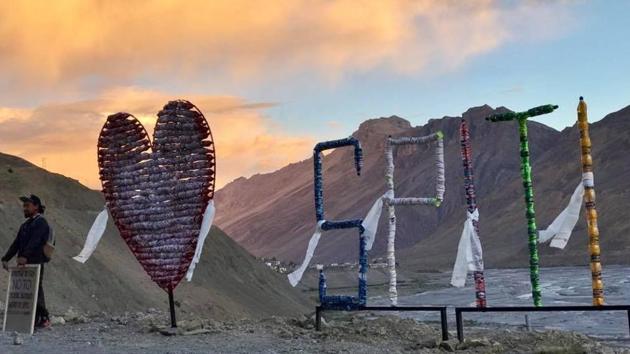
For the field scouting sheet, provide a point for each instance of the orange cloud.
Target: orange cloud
(48, 44)
(63, 136)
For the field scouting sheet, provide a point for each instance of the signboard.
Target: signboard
(19, 312)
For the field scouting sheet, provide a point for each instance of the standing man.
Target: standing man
(33, 245)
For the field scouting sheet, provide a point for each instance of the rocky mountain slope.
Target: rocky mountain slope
(228, 283)
(273, 214)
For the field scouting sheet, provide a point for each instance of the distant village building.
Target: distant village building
(287, 267)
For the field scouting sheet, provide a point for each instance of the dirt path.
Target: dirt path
(360, 333)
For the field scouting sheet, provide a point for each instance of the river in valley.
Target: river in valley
(561, 286)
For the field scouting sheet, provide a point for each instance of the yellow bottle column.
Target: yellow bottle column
(589, 198)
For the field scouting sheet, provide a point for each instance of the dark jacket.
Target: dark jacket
(30, 241)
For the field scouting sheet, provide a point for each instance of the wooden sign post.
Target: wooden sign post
(19, 311)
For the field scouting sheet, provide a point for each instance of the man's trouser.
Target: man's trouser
(41, 313)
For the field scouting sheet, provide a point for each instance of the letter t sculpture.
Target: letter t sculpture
(526, 174)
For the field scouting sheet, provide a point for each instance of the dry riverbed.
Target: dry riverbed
(357, 333)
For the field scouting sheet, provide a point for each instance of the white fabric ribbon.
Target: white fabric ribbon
(370, 222)
(93, 236)
(469, 254)
(206, 224)
(560, 229)
(296, 275)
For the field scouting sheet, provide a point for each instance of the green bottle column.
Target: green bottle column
(532, 230)
(526, 174)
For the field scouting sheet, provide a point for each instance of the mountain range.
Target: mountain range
(273, 214)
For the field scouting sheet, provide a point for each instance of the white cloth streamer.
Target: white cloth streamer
(469, 254)
(206, 224)
(296, 275)
(560, 229)
(370, 222)
(93, 236)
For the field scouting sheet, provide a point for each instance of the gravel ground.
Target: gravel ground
(358, 333)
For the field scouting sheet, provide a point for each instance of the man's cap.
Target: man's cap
(31, 199)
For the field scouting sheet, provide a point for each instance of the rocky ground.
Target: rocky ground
(341, 333)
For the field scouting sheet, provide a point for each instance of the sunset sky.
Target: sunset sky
(274, 77)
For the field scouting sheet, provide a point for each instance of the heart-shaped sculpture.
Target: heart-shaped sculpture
(157, 192)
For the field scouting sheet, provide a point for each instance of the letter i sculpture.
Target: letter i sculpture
(526, 174)
(469, 253)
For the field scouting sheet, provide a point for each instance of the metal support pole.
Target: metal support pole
(318, 318)
(171, 303)
(528, 324)
(460, 325)
(444, 321)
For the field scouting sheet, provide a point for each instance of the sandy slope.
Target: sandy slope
(228, 283)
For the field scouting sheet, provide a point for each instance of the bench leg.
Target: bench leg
(318, 318)
(460, 325)
(444, 321)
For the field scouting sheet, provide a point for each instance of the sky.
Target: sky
(275, 77)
